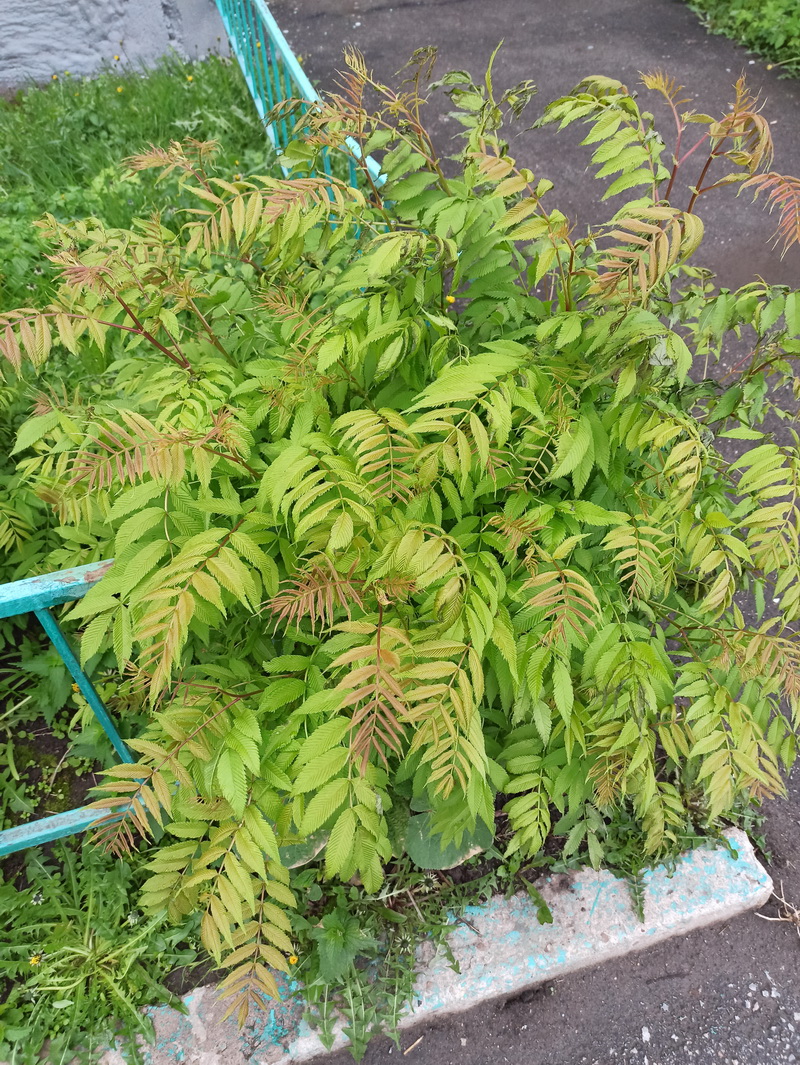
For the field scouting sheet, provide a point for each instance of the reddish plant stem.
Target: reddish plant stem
(698, 189)
(677, 159)
(693, 149)
(179, 359)
(212, 336)
(230, 457)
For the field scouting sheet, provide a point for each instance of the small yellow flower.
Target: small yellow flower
(35, 959)
(66, 72)
(189, 77)
(75, 688)
(449, 299)
(770, 66)
(116, 59)
(237, 177)
(236, 162)
(55, 77)
(293, 959)
(258, 44)
(119, 88)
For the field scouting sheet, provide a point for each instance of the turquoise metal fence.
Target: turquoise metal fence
(272, 71)
(37, 595)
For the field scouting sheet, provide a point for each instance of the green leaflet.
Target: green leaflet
(465, 381)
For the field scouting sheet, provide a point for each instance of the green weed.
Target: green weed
(769, 27)
(357, 951)
(77, 960)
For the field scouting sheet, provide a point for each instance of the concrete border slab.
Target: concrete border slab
(502, 952)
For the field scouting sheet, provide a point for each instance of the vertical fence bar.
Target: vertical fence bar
(273, 74)
(288, 90)
(59, 641)
(252, 48)
(38, 595)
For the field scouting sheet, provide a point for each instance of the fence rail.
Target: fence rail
(36, 595)
(272, 72)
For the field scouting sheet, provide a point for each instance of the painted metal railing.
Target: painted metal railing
(37, 595)
(273, 73)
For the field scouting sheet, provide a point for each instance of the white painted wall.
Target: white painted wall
(39, 38)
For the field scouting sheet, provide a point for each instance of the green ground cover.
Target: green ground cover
(769, 27)
(62, 147)
(75, 959)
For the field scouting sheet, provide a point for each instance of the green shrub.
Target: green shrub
(422, 506)
(771, 27)
(62, 149)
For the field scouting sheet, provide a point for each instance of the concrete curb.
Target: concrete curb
(505, 952)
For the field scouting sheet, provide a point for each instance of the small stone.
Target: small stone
(464, 1042)
(645, 1035)
(796, 1016)
(753, 987)
(765, 994)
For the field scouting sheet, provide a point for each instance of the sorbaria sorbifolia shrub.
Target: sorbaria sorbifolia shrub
(425, 513)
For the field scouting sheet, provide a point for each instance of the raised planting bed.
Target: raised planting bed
(500, 950)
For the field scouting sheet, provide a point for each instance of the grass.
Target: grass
(62, 146)
(769, 27)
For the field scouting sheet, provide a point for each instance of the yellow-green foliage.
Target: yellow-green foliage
(416, 500)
